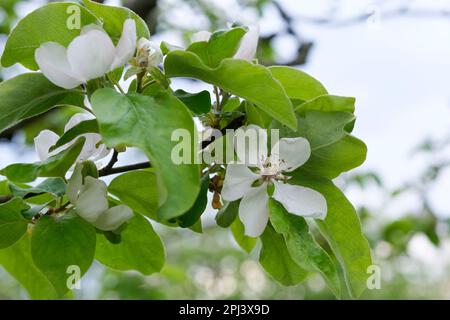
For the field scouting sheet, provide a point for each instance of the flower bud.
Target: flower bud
(148, 54)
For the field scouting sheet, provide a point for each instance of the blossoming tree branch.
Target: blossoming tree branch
(264, 146)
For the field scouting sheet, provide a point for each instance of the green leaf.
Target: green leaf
(222, 44)
(55, 166)
(48, 23)
(18, 263)
(245, 242)
(137, 189)
(31, 94)
(242, 78)
(141, 248)
(231, 104)
(88, 126)
(148, 123)
(298, 84)
(328, 103)
(58, 243)
(302, 246)
(54, 186)
(341, 156)
(191, 217)
(276, 260)
(257, 116)
(12, 224)
(229, 212)
(342, 229)
(198, 103)
(114, 17)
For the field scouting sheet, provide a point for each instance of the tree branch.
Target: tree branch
(137, 166)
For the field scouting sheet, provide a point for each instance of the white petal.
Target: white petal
(92, 200)
(254, 211)
(251, 145)
(90, 27)
(292, 152)
(43, 142)
(74, 184)
(51, 58)
(91, 54)
(201, 36)
(113, 218)
(156, 56)
(249, 44)
(126, 47)
(301, 201)
(238, 181)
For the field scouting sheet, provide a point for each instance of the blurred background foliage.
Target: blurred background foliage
(211, 265)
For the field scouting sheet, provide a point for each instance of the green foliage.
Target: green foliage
(12, 224)
(192, 216)
(53, 186)
(31, 94)
(114, 17)
(55, 166)
(140, 248)
(147, 123)
(199, 103)
(245, 242)
(301, 245)
(48, 23)
(277, 261)
(234, 76)
(73, 245)
(342, 229)
(88, 126)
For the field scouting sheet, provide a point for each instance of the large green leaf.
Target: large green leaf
(12, 224)
(18, 263)
(341, 156)
(141, 248)
(58, 243)
(301, 245)
(198, 103)
(192, 216)
(48, 23)
(298, 84)
(114, 17)
(55, 166)
(148, 123)
(242, 78)
(54, 186)
(31, 94)
(277, 261)
(342, 229)
(222, 44)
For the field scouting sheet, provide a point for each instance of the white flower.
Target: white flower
(148, 54)
(247, 48)
(88, 56)
(92, 149)
(287, 155)
(91, 202)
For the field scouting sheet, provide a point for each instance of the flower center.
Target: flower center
(270, 169)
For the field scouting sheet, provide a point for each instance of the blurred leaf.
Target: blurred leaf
(298, 84)
(59, 243)
(12, 224)
(234, 76)
(302, 247)
(55, 166)
(276, 260)
(48, 23)
(18, 263)
(141, 248)
(31, 94)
